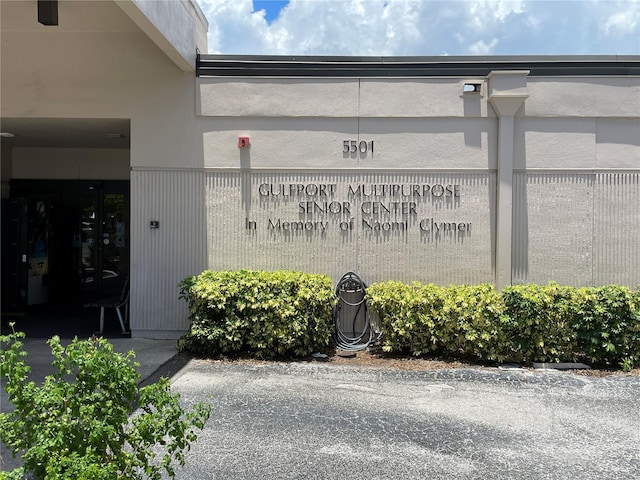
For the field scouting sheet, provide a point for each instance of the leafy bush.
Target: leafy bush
(523, 323)
(458, 320)
(271, 314)
(411, 315)
(609, 327)
(289, 313)
(543, 321)
(474, 322)
(79, 425)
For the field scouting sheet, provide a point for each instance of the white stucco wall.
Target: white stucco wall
(577, 228)
(576, 195)
(299, 123)
(583, 97)
(179, 28)
(576, 155)
(570, 134)
(99, 64)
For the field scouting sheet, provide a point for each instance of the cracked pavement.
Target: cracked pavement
(320, 421)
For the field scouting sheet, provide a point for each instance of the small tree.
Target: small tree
(89, 419)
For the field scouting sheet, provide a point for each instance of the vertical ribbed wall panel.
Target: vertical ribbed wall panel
(520, 239)
(164, 256)
(616, 229)
(553, 225)
(573, 228)
(424, 254)
(576, 228)
(243, 227)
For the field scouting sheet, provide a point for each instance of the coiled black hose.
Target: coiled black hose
(354, 339)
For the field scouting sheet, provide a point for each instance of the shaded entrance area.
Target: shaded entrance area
(65, 244)
(65, 223)
(46, 321)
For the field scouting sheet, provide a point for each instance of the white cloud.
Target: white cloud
(625, 21)
(413, 27)
(481, 48)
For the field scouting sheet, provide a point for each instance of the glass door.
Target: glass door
(65, 243)
(85, 248)
(74, 237)
(103, 245)
(113, 256)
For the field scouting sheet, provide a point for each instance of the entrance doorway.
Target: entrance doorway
(65, 243)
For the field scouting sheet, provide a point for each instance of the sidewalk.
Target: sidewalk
(150, 354)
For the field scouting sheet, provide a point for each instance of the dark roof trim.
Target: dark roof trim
(302, 66)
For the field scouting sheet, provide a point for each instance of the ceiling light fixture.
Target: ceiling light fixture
(6, 135)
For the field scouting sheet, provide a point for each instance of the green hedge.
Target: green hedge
(524, 323)
(276, 314)
(271, 314)
(449, 321)
(543, 322)
(610, 325)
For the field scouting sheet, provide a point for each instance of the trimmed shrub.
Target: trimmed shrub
(523, 323)
(543, 321)
(410, 315)
(454, 321)
(270, 314)
(474, 322)
(275, 314)
(609, 327)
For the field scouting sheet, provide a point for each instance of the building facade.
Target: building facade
(504, 170)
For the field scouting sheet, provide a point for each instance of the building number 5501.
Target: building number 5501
(352, 146)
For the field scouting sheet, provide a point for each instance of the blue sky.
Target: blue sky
(423, 27)
(271, 7)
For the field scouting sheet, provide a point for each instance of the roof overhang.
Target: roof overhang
(178, 28)
(307, 66)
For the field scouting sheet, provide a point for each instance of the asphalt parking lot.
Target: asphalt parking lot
(322, 421)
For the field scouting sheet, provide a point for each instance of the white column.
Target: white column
(507, 93)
